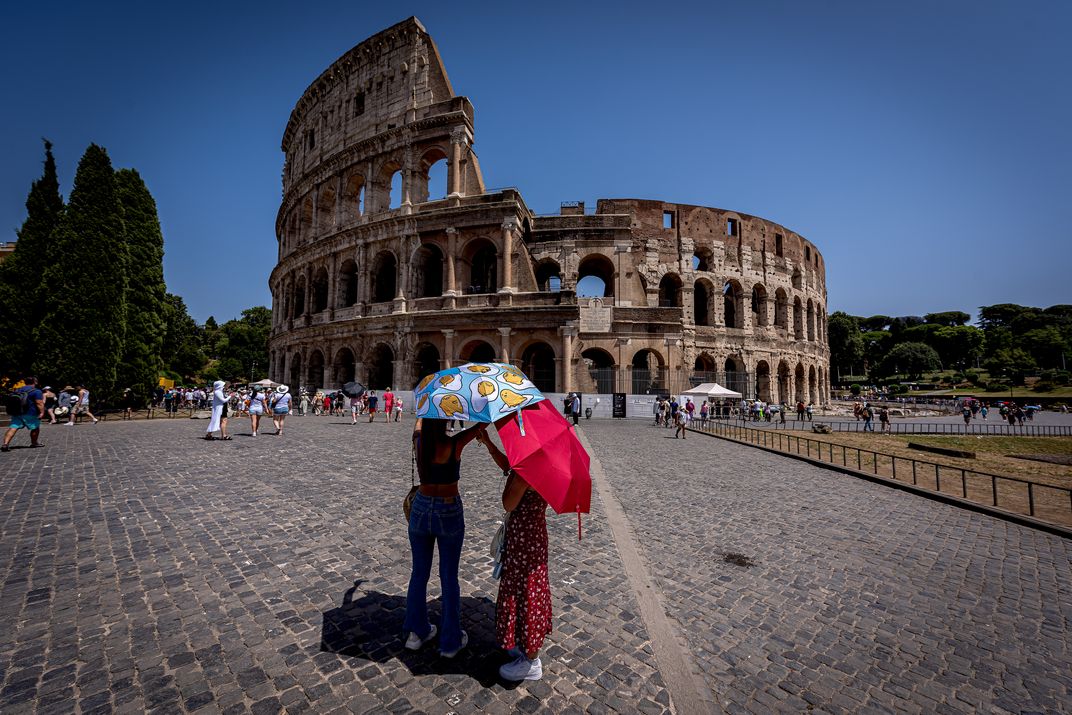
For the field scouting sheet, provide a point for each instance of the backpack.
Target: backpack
(17, 402)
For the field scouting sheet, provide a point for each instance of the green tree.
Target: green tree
(949, 318)
(1046, 346)
(246, 341)
(876, 344)
(875, 323)
(141, 362)
(181, 350)
(958, 345)
(22, 287)
(846, 342)
(81, 335)
(910, 359)
(919, 334)
(1010, 363)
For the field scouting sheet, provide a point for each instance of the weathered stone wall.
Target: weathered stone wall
(386, 286)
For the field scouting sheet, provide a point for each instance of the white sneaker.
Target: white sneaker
(522, 669)
(452, 653)
(415, 642)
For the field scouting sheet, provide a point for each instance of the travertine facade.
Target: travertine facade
(384, 276)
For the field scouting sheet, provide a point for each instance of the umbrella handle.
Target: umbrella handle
(578, 522)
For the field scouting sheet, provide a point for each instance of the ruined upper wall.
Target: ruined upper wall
(367, 91)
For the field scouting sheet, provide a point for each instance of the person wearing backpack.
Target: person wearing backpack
(26, 405)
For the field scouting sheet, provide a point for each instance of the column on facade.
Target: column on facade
(458, 142)
(452, 247)
(364, 278)
(567, 357)
(504, 344)
(403, 268)
(333, 285)
(308, 289)
(447, 359)
(508, 228)
(338, 200)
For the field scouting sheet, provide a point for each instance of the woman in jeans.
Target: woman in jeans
(437, 517)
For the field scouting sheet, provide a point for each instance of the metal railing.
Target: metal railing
(1021, 496)
(924, 428)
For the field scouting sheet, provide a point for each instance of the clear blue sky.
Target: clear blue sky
(924, 146)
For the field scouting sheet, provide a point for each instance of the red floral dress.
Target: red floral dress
(523, 609)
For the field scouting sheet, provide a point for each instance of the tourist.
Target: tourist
(281, 407)
(372, 402)
(868, 414)
(326, 405)
(129, 402)
(656, 409)
(64, 403)
(809, 411)
(81, 406)
(983, 411)
(257, 404)
(398, 408)
(436, 518)
(26, 407)
(704, 411)
(575, 408)
(800, 410)
(355, 409)
(679, 423)
(966, 413)
(884, 419)
(523, 606)
(50, 404)
(336, 404)
(218, 419)
(388, 404)
(303, 403)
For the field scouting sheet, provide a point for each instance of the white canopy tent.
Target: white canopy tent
(712, 390)
(265, 383)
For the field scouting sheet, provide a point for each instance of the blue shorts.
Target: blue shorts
(30, 422)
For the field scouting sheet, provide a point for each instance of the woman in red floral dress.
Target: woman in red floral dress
(523, 609)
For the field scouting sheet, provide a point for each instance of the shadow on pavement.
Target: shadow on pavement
(370, 629)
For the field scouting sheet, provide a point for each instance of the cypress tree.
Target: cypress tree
(80, 338)
(21, 275)
(140, 365)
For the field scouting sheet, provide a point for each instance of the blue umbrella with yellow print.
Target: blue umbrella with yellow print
(475, 392)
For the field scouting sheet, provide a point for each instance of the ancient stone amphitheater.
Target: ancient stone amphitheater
(391, 268)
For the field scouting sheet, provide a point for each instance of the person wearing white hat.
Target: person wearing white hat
(219, 412)
(280, 407)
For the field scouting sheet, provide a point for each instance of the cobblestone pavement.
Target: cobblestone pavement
(860, 598)
(145, 569)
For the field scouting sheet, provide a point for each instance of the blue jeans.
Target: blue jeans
(431, 520)
(868, 427)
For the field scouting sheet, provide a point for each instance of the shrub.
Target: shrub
(997, 387)
(1044, 386)
(855, 389)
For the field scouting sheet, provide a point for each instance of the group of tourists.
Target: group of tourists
(67, 406)
(255, 403)
(436, 519)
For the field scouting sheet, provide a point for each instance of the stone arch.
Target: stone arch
(759, 306)
(320, 290)
(428, 276)
(481, 258)
(733, 304)
(811, 321)
(290, 236)
(648, 367)
(384, 277)
(343, 366)
(781, 308)
(388, 188)
(315, 371)
(380, 366)
(763, 381)
(601, 369)
(538, 363)
(426, 360)
(703, 292)
(432, 162)
(477, 350)
(783, 382)
(798, 319)
(353, 197)
(702, 259)
(549, 275)
(299, 296)
(599, 266)
(325, 201)
(295, 375)
(799, 386)
(347, 283)
(704, 369)
(813, 386)
(670, 291)
(736, 375)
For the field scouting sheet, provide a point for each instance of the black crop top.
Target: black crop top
(446, 473)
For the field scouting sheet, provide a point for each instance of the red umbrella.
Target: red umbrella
(550, 458)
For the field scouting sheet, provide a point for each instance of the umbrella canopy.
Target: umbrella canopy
(475, 391)
(265, 383)
(549, 457)
(353, 389)
(712, 389)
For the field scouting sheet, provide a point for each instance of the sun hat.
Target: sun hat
(282, 389)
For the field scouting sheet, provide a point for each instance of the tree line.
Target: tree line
(83, 298)
(1009, 342)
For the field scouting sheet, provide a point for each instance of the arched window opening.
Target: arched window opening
(426, 361)
(348, 283)
(320, 290)
(648, 373)
(344, 367)
(736, 378)
(781, 309)
(395, 190)
(595, 277)
(548, 276)
(381, 367)
(299, 297)
(813, 386)
(798, 282)
(432, 181)
(731, 304)
(759, 305)
(701, 304)
(798, 385)
(538, 363)
(703, 370)
(326, 208)
(353, 197)
(670, 291)
(295, 372)
(601, 369)
(306, 229)
(702, 259)
(478, 351)
(384, 277)
(811, 321)
(784, 395)
(483, 273)
(763, 381)
(798, 319)
(429, 274)
(316, 370)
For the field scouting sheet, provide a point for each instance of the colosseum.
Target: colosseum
(395, 260)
